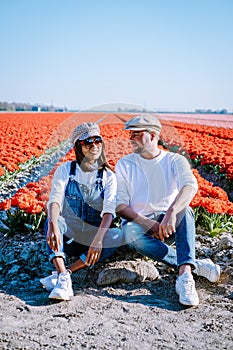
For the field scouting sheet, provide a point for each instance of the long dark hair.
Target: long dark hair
(102, 161)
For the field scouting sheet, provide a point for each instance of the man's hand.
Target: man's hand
(167, 226)
(154, 230)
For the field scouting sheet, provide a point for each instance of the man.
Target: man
(155, 188)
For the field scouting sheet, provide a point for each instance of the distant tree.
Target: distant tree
(16, 106)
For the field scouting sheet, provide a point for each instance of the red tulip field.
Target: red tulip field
(26, 137)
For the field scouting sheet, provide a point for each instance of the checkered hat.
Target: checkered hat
(84, 131)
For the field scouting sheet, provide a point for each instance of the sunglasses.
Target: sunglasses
(97, 140)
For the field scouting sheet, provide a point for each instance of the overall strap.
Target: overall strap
(100, 174)
(99, 179)
(73, 168)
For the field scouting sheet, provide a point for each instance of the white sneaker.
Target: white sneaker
(50, 281)
(185, 288)
(206, 268)
(63, 289)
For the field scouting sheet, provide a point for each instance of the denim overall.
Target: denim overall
(80, 219)
(84, 203)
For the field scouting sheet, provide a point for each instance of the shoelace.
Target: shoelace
(61, 281)
(188, 287)
(205, 272)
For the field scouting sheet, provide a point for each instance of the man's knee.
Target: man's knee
(132, 233)
(113, 238)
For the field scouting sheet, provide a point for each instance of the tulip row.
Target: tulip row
(205, 145)
(24, 135)
(33, 197)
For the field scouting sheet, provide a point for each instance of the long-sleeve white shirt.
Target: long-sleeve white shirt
(61, 178)
(150, 186)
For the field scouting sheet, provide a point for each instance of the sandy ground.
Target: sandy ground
(127, 316)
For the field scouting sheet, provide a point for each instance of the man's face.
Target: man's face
(140, 141)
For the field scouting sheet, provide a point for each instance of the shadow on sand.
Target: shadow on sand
(160, 294)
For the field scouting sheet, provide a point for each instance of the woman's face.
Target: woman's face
(92, 148)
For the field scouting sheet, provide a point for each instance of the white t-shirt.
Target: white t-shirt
(61, 178)
(150, 186)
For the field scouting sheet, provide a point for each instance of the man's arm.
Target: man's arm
(168, 225)
(183, 199)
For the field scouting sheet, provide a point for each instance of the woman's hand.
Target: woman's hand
(53, 236)
(94, 251)
(96, 246)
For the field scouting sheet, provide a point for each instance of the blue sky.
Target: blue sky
(159, 54)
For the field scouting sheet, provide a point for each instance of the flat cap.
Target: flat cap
(143, 122)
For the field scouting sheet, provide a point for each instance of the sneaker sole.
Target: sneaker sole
(58, 297)
(218, 275)
(186, 303)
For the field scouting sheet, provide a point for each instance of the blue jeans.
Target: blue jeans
(112, 241)
(137, 239)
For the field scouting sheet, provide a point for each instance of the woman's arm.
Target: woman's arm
(53, 233)
(127, 213)
(55, 203)
(110, 189)
(107, 214)
(96, 246)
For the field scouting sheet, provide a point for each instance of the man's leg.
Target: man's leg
(185, 240)
(137, 239)
(185, 246)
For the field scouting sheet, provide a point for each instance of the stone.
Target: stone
(127, 272)
(226, 242)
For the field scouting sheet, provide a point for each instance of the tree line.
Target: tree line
(16, 106)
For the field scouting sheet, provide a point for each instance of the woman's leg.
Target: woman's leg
(76, 265)
(57, 258)
(59, 285)
(112, 241)
(59, 264)
(74, 249)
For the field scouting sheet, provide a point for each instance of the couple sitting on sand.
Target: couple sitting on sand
(150, 190)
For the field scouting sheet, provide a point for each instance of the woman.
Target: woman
(80, 211)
